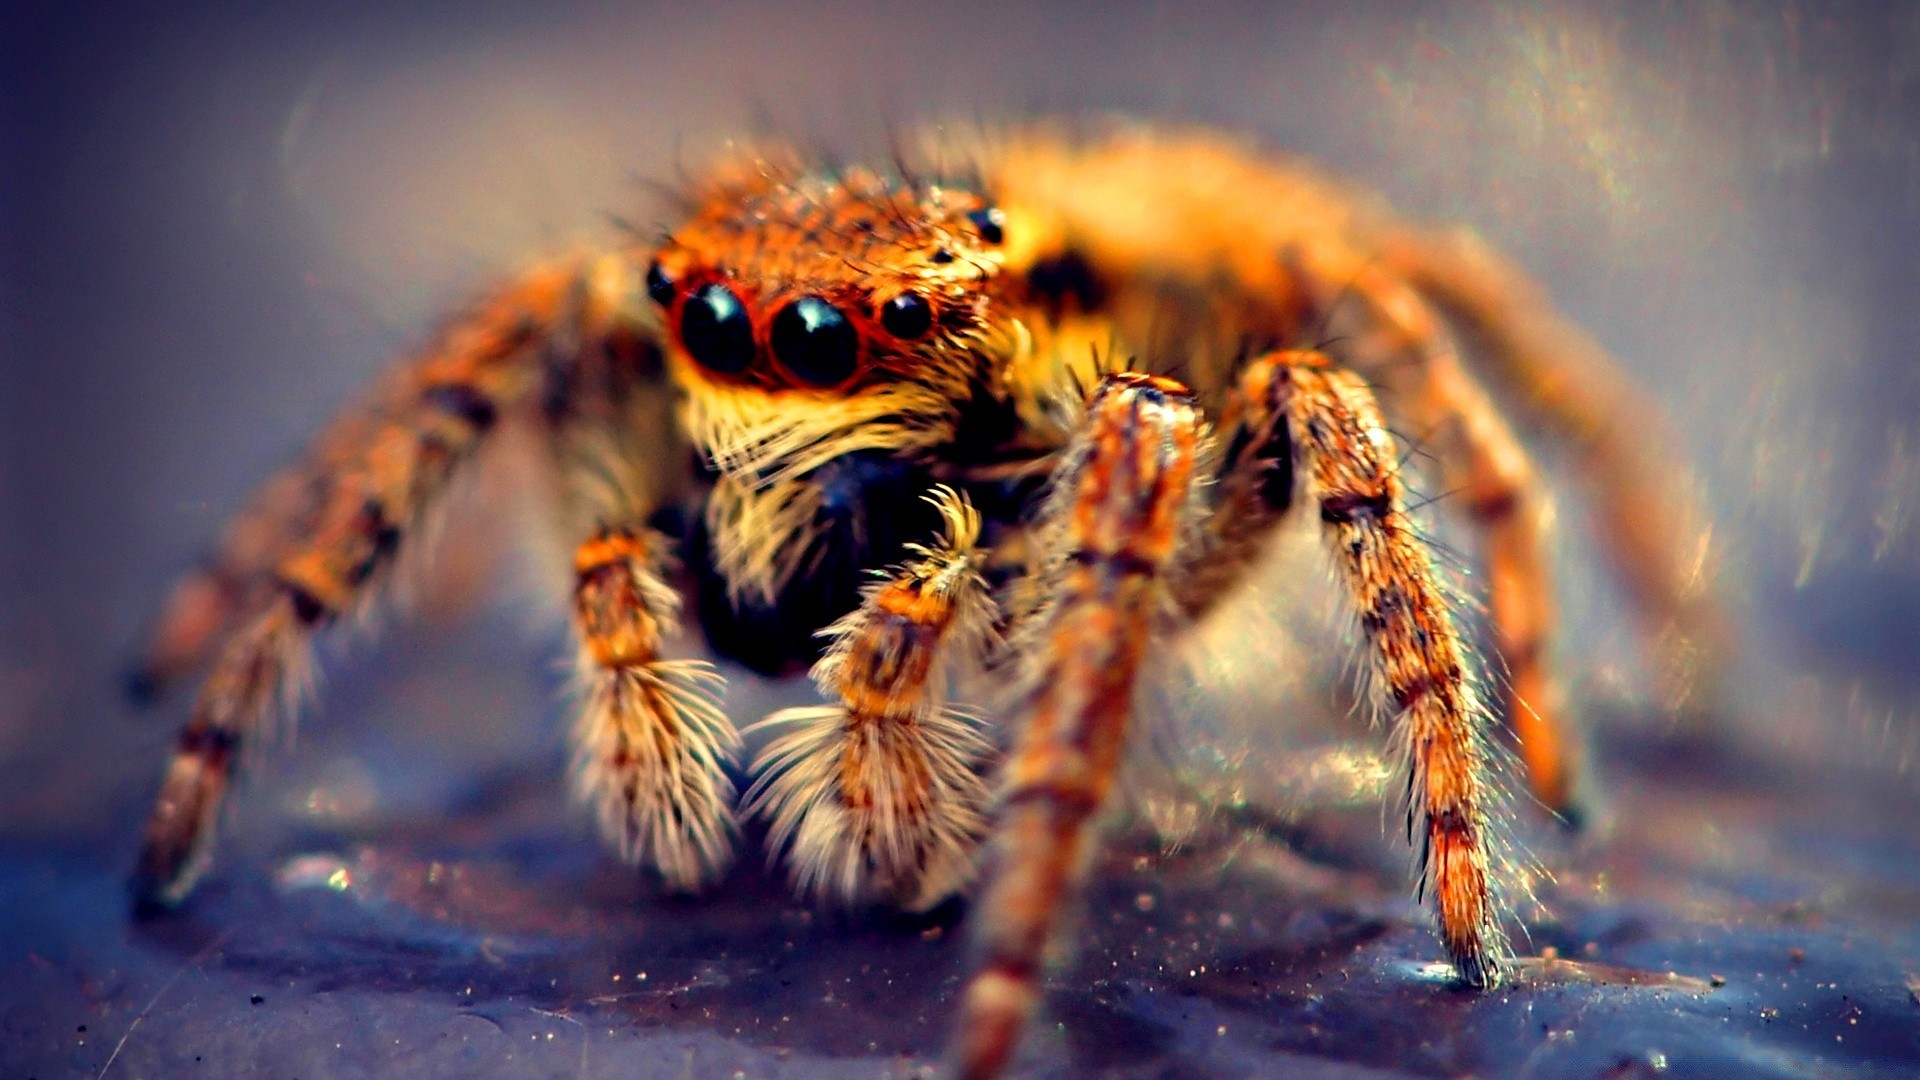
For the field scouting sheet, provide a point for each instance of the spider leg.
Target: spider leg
(880, 793)
(650, 744)
(1564, 381)
(376, 473)
(1419, 662)
(1502, 494)
(1125, 498)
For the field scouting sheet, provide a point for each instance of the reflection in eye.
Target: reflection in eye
(816, 342)
(715, 329)
(991, 222)
(907, 316)
(660, 287)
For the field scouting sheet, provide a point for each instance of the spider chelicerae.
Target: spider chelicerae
(930, 430)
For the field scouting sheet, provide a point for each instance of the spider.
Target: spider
(1012, 424)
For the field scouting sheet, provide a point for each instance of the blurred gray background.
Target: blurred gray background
(218, 219)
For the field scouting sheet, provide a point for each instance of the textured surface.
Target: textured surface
(215, 226)
(491, 942)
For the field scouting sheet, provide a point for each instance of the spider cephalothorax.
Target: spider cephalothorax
(830, 331)
(888, 424)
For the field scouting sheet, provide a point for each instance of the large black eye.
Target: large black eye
(907, 315)
(660, 286)
(715, 329)
(816, 342)
(991, 222)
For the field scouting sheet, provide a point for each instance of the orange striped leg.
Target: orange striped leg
(1567, 383)
(880, 794)
(651, 745)
(1124, 500)
(385, 469)
(1502, 493)
(1417, 658)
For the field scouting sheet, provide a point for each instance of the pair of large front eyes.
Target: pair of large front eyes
(810, 337)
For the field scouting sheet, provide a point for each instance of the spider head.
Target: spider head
(824, 286)
(813, 318)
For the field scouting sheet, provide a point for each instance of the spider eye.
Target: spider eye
(816, 342)
(992, 223)
(660, 286)
(715, 329)
(907, 316)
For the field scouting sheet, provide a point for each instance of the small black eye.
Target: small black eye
(715, 329)
(991, 222)
(660, 286)
(816, 342)
(907, 315)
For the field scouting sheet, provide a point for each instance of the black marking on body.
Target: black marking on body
(1074, 799)
(1341, 508)
(379, 528)
(1496, 507)
(1448, 820)
(1123, 563)
(383, 539)
(1067, 281)
(309, 609)
(464, 401)
(1390, 602)
(1423, 684)
(212, 745)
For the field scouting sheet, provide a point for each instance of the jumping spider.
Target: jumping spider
(1023, 421)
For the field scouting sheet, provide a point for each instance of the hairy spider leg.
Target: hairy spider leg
(651, 745)
(1417, 658)
(1124, 501)
(1493, 482)
(881, 794)
(1202, 213)
(385, 468)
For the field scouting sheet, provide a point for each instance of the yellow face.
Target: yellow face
(813, 316)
